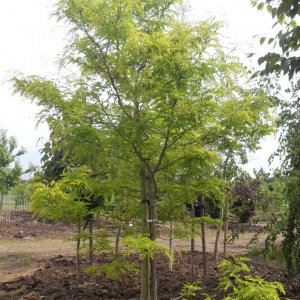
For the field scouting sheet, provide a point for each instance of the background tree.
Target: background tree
(271, 196)
(20, 194)
(289, 149)
(10, 168)
(245, 197)
(288, 38)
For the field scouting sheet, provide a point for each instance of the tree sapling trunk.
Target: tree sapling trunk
(216, 249)
(193, 244)
(202, 213)
(78, 274)
(91, 245)
(225, 226)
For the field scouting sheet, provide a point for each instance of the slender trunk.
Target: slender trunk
(193, 245)
(78, 275)
(153, 285)
(1, 207)
(202, 213)
(171, 232)
(145, 265)
(24, 204)
(225, 227)
(16, 202)
(216, 249)
(118, 235)
(117, 242)
(152, 225)
(171, 244)
(225, 214)
(8, 205)
(91, 245)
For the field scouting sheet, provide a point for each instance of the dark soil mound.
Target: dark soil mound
(57, 280)
(23, 225)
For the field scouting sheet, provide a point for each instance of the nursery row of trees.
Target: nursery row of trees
(151, 115)
(10, 174)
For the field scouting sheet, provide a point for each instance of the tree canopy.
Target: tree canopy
(285, 12)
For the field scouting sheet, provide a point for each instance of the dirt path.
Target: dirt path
(23, 256)
(26, 244)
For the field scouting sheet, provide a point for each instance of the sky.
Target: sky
(31, 41)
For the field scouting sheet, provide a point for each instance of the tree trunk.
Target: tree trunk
(193, 245)
(171, 244)
(1, 207)
(8, 206)
(171, 232)
(225, 227)
(145, 265)
(117, 243)
(153, 283)
(91, 245)
(202, 213)
(78, 275)
(225, 214)
(153, 234)
(216, 249)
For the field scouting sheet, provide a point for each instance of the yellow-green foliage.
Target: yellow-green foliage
(145, 246)
(101, 241)
(141, 244)
(114, 270)
(256, 288)
(232, 278)
(190, 289)
(230, 270)
(210, 221)
(52, 202)
(183, 229)
(66, 199)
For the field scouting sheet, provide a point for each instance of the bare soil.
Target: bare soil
(37, 261)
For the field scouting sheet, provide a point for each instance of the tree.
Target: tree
(21, 195)
(9, 176)
(245, 196)
(58, 169)
(271, 197)
(233, 144)
(289, 150)
(288, 37)
(10, 168)
(70, 199)
(153, 92)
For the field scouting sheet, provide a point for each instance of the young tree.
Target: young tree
(58, 165)
(21, 195)
(69, 199)
(10, 168)
(272, 192)
(154, 91)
